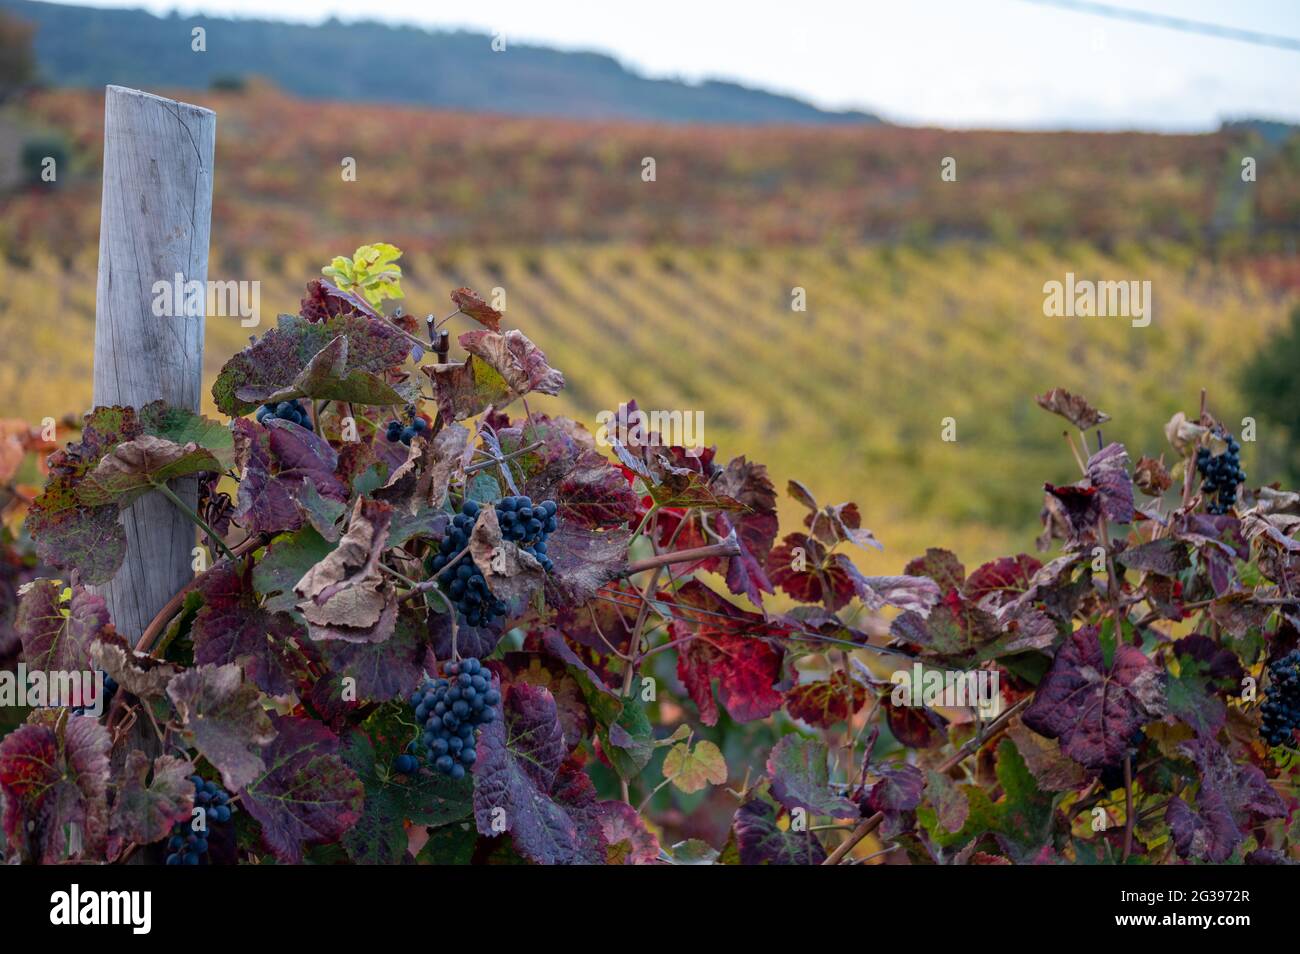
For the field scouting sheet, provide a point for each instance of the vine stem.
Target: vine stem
(1129, 818)
(485, 464)
(726, 548)
(173, 605)
(198, 521)
(868, 825)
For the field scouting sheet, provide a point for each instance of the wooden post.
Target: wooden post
(155, 220)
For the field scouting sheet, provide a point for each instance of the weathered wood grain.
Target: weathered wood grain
(155, 223)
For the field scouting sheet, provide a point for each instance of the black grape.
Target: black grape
(451, 709)
(1220, 476)
(291, 411)
(1281, 708)
(395, 431)
(188, 845)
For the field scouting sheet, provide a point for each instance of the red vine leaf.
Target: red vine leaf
(57, 634)
(826, 702)
(1231, 796)
(519, 759)
(940, 565)
(746, 669)
(306, 795)
(232, 628)
(1092, 707)
(54, 779)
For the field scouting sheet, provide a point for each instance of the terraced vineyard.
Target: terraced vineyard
(854, 389)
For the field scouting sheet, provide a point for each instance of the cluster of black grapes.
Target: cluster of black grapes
(396, 432)
(1281, 708)
(528, 525)
(520, 522)
(1222, 475)
(291, 411)
(110, 689)
(464, 583)
(450, 709)
(187, 846)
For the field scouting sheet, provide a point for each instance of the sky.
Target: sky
(956, 63)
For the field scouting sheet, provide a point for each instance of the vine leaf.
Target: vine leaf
(425, 798)
(895, 792)
(735, 651)
(1108, 472)
(498, 370)
(629, 841)
(138, 673)
(826, 702)
(224, 716)
(755, 528)
(950, 806)
(1204, 670)
(1021, 818)
(472, 304)
(310, 354)
(552, 674)
(519, 759)
(694, 768)
(306, 794)
(277, 459)
(57, 627)
(345, 596)
(1052, 770)
(758, 839)
(511, 574)
(55, 779)
(746, 668)
(146, 808)
(1007, 576)
(135, 467)
(382, 671)
(421, 481)
(1073, 407)
(800, 778)
(589, 491)
(1092, 707)
(232, 628)
(285, 562)
(180, 425)
(940, 565)
(1231, 794)
(582, 561)
(519, 362)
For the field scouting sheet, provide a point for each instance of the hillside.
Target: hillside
(88, 46)
(431, 180)
(924, 297)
